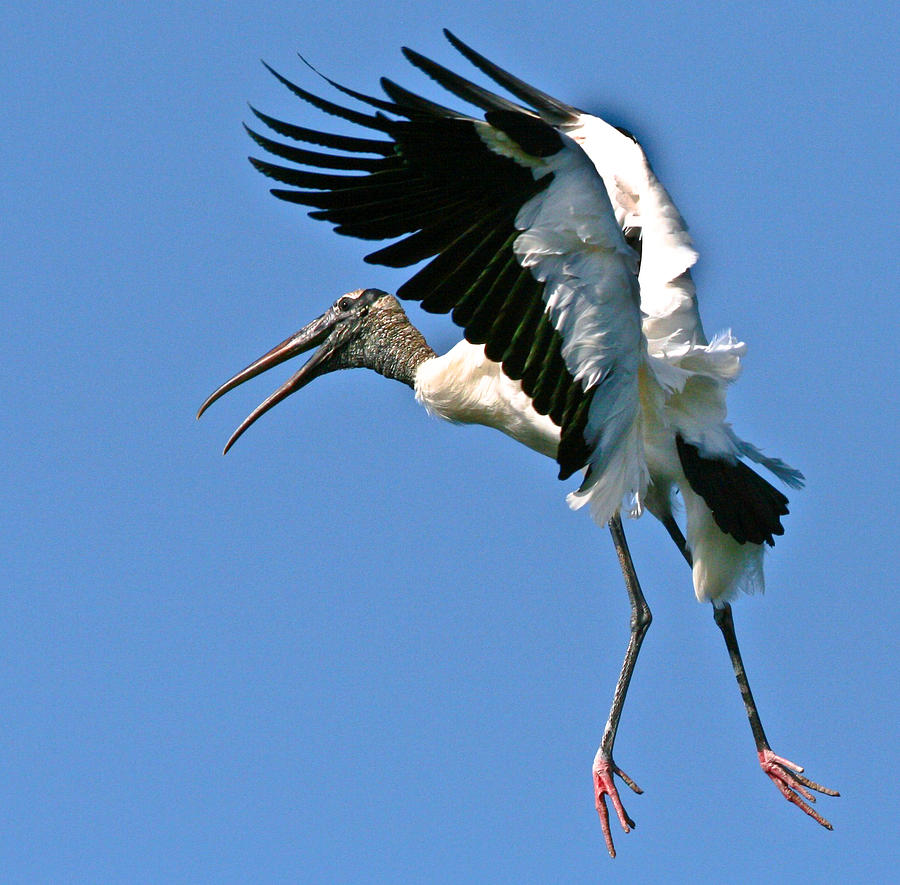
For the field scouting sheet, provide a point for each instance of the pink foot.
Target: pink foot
(789, 779)
(604, 770)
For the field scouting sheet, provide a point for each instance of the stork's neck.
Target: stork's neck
(401, 350)
(390, 344)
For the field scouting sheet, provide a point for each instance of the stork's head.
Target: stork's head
(366, 328)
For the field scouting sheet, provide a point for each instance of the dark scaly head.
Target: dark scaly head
(366, 328)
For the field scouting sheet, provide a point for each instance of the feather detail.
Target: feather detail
(573, 245)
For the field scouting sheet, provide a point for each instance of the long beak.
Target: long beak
(322, 331)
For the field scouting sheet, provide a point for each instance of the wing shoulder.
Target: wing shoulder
(646, 211)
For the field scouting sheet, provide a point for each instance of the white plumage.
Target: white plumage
(465, 387)
(568, 266)
(638, 335)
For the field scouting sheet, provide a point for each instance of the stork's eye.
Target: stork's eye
(345, 304)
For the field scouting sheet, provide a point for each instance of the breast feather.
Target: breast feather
(465, 387)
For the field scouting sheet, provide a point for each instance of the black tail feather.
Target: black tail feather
(744, 505)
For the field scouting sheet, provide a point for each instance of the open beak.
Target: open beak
(325, 331)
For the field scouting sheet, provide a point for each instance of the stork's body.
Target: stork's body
(568, 266)
(465, 387)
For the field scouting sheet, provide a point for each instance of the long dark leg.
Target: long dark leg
(786, 775)
(677, 536)
(604, 767)
(640, 622)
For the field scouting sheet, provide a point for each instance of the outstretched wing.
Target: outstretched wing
(523, 248)
(643, 208)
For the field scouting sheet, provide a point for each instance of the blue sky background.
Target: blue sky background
(365, 646)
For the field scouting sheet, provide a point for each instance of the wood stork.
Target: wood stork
(553, 245)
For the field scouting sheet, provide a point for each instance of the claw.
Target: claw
(792, 784)
(604, 785)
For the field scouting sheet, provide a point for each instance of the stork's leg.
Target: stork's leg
(677, 536)
(604, 767)
(785, 775)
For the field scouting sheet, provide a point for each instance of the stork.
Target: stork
(553, 245)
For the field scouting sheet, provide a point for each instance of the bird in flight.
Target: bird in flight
(549, 240)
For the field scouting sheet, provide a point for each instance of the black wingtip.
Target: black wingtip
(377, 121)
(370, 100)
(453, 40)
(551, 109)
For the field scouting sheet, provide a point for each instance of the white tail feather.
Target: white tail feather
(722, 567)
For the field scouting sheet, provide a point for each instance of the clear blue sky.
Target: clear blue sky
(366, 646)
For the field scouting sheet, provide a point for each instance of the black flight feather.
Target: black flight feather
(553, 110)
(460, 86)
(329, 107)
(304, 157)
(438, 186)
(326, 139)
